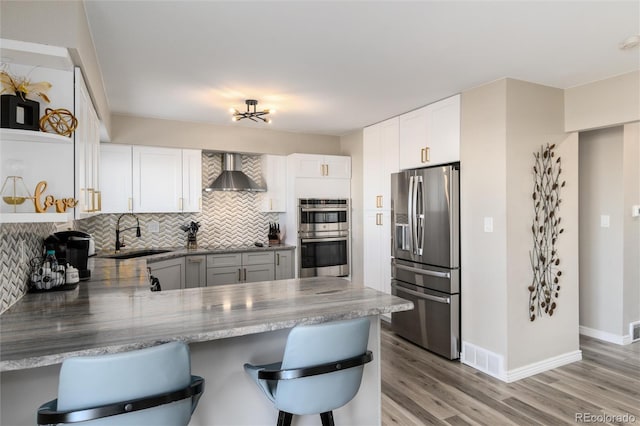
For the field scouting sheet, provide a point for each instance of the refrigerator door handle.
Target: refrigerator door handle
(438, 299)
(419, 204)
(411, 214)
(423, 271)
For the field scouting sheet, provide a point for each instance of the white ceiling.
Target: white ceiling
(334, 67)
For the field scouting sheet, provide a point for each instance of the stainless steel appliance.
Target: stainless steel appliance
(426, 256)
(323, 237)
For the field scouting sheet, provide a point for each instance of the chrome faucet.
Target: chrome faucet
(118, 230)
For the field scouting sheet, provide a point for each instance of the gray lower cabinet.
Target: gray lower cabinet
(284, 264)
(231, 268)
(195, 271)
(171, 273)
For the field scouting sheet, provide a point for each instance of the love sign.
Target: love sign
(42, 205)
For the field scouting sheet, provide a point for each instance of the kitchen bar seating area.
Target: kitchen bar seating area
(223, 325)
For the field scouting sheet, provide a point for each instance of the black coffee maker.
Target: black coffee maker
(71, 247)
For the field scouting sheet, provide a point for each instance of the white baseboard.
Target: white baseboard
(542, 366)
(493, 364)
(606, 336)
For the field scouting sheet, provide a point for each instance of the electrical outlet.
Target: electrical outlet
(605, 221)
(153, 226)
(635, 211)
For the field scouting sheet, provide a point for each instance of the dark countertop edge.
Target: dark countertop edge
(43, 361)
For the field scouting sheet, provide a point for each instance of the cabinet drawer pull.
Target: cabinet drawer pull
(180, 203)
(192, 259)
(378, 201)
(245, 274)
(99, 193)
(277, 258)
(239, 274)
(378, 218)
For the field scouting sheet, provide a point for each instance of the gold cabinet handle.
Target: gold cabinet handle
(180, 203)
(277, 258)
(99, 193)
(195, 259)
(270, 203)
(424, 155)
(378, 201)
(378, 218)
(245, 274)
(92, 196)
(130, 204)
(327, 169)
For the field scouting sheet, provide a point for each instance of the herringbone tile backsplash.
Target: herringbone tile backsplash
(227, 219)
(14, 273)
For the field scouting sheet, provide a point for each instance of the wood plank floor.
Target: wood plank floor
(420, 388)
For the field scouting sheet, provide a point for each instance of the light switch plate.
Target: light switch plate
(605, 221)
(635, 211)
(488, 224)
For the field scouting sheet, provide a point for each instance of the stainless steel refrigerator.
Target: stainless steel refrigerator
(425, 261)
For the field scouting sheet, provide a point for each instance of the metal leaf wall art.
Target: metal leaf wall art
(546, 229)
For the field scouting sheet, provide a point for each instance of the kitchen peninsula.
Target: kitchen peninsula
(225, 327)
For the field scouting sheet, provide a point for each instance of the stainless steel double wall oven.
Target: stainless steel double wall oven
(323, 237)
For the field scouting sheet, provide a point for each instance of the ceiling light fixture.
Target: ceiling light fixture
(251, 115)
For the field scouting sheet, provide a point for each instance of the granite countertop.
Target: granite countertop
(115, 312)
(174, 252)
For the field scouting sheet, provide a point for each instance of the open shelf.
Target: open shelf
(32, 136)
(34, 217)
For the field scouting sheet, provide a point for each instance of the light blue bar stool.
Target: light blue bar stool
(320, 372)
(151, 386)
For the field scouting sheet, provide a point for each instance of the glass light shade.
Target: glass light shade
(14, 191)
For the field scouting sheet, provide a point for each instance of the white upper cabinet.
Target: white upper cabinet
(87, 152)
(146, 179)
(116, 178)
(379, 159)
(191, 180)
(274, 172)
(321, 166)
(157, 179)
(431, 135)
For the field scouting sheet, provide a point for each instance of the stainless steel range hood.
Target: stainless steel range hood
(232, 178)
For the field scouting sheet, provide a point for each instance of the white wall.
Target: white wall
(601, 252)
(603, 103)
(631, 277)
(535, 118)
(150, 131)
(609, 267)
(503, 124)
(483, 195)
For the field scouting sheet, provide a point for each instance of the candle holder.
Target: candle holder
(15, 192)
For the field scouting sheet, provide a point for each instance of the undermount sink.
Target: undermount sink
(136, 253)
